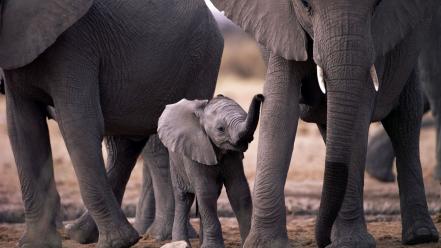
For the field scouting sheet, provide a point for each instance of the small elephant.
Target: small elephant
(206, 141)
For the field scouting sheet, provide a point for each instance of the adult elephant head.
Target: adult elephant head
(343, 39)
(28, 27)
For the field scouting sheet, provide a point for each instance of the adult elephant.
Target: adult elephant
(380, 154)
(346, 45)
(109, 68)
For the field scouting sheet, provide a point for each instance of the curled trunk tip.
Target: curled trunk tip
(250, 124)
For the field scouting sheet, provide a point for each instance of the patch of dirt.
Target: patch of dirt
(300, 232)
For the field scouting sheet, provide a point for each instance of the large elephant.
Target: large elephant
(109, 68)
(429, 75)
(363, 56)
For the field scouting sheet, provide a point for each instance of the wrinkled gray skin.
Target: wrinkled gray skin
(156, 177)
(109, 74)
(379, 165)
(153, 217)
(206, 141)
(345, 38)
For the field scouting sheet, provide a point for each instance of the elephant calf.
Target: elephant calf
(206, 141)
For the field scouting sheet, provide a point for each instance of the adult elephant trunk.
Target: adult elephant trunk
(248, 127)
(350, 90)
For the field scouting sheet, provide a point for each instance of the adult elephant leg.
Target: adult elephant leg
(29, 136)
(158, 162)
(238, 191)
(380, 157)
(279, 118)
(82, 126)
(145, 210)
(122, 155)
(403, 126)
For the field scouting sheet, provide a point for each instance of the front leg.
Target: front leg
(29, 137)
(278, 125)
(238, 191)
(82, 126)
(403, 126)
(122, 155)
(206, 182)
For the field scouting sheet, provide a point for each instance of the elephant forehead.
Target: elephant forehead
(224, 107)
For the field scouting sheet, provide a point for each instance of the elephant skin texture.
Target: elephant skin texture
(206, 141)
(429, 76)
(342, 65)
(110, 73)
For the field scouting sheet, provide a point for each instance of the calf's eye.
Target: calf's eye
(221, 129)
(305, 3)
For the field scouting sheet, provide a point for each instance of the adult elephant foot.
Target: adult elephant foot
(161, 229)
(83, 230)
(351, 234)
(419, 232)
(120, 236)
(43, 239)
(256, 239)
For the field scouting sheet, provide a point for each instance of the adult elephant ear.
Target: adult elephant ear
(394, 19)
(273, 23)
(180, 131)
(28, 27)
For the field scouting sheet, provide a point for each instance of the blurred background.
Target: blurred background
(242, 75)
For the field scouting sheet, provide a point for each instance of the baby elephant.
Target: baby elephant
(206, 141)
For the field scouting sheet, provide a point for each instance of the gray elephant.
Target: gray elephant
(154, 216)
(341, 64)
(109, 68)
(379, 165)
(206, 141)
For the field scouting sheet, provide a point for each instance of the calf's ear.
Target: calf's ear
(28, 27)
(180, 131)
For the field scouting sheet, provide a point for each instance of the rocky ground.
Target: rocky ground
(302, 189)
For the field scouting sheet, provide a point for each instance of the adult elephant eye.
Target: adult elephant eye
(221, 129)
